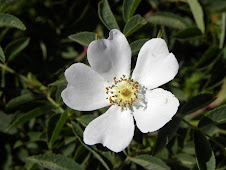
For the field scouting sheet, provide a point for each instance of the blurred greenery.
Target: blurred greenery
(40, 39)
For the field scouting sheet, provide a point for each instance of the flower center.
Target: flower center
(123, 92)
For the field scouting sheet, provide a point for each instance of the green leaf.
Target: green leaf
(55, 161)
(197, 12)
(84, 38)
(7, 20)
(197, 102)
(58, 128)
(214, 117)
(134, 23)
(78, 133)
(2, 55)
(60, 82)
(165, 134)
(168, 19)
(136, 45)
(204, 153)
(15, 47)
(106, 15)
(129, 7)
(30, 115)
(85, 119)
(17, 101)
(149, 162)
(188, 33)
(51, 124)
(208, 56)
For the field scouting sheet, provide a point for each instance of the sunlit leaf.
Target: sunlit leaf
(165, 134)
(15, 47)
(7, 20)
(134, 23)
(58, 128)
(128, 8)
(168, 19)
(149, 162)
(197, 12)
(136, 45)
(197, 102)
(55, 161)
(79, 134)
(204, 153)
(214, 117)
(106, 15)
(30, 115)
(84, 38)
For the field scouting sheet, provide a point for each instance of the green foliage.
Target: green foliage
(129, 7)
(84, 38)
(54, 161)
(136, 45)
(7, 20)
(215, 117)
(39, 131)
(168, 19)
(197, 12)
(204, 153)
(106, 15)
(197, 103)
(150, 162)
(134, 23)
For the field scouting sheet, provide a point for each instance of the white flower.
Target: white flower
(107, 82)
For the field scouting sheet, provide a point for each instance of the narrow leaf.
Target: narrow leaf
(208, 56)
(165, 134)
(2, 55)
(78, 133)
(17, 101)
(85, 119)
(58, 128)
(135, 23)
(15, 47)
(188, 33)
(30, 115)
(168, 19)
(204, 153)
(136, 45)
(129, 7)
(150, 162)
(197, 102)
(51, 124)
(106, 15)
(54, 161)
(60, 82)
(7, 20)
(197, 12)
(214, 117)
(84, 38)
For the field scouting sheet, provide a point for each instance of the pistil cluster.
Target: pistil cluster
(123, 92)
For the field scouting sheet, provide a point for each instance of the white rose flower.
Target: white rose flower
(107, 82)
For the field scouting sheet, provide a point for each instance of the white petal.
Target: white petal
(114, 129)
(155, 65)
(85, 90)
(161, 107)
(110, 57)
